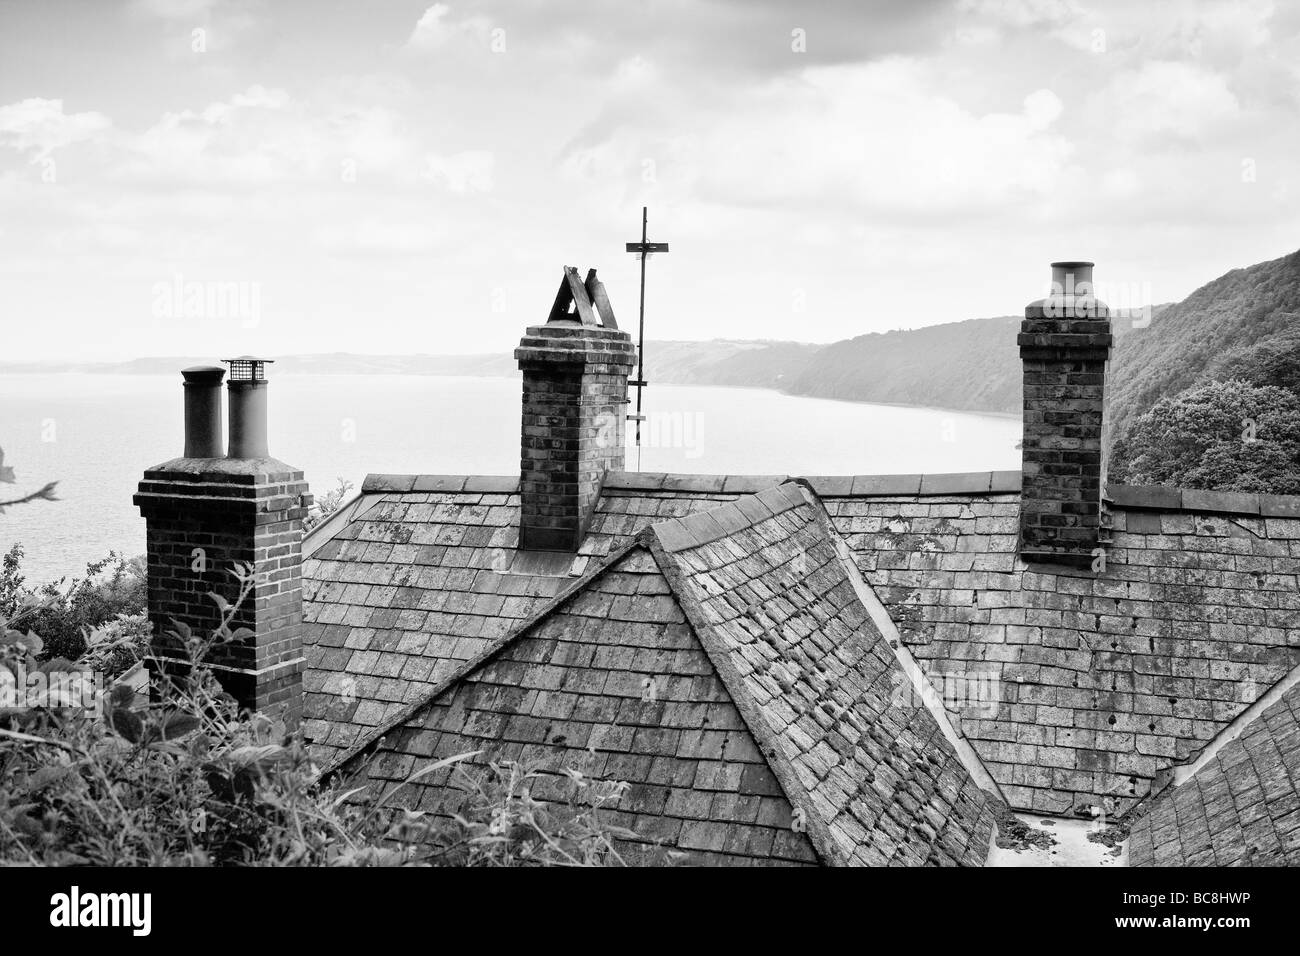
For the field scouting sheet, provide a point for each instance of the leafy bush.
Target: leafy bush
(117, 646)
(113, 587)
(190, 780)
(327, 504)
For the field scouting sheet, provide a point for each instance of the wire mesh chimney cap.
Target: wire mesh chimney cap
(246, 368)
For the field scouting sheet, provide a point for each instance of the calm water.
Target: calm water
(95, 434)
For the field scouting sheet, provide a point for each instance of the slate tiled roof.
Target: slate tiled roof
(775, 696)
(1105, 677)
(1240, 809)
(425, 575)
(571, 693)
(770, 595)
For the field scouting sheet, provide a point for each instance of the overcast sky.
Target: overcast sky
(395, 176)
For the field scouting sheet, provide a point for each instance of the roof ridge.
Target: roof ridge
(672, 538)
(421, 483)
(880, 617)
(782, 768)
(927, 484)
(728, 518)
(1170, 498)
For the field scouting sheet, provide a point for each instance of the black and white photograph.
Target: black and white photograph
(662, 436)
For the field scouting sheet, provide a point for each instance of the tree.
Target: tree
(1274, 360)
(1224, 436)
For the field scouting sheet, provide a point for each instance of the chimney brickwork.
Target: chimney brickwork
(205, 516)
(1065, 343)
(574, 412)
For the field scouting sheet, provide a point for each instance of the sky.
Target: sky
(218, 177)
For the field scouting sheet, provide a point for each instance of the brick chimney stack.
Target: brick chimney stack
(204, 514)
(575, 371)
(1065, 343)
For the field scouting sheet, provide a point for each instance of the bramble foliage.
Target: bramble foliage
(189, 780)
(327, 504)
(501, 821)
(111, 593)
(1226, 436)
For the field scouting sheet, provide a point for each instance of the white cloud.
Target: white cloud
(375, 236)
(465, 172)
(1042, 108)
(875, 137)
(437, 27)
(1023, 13)
(41, 126)
(175, 9)
(1163, 100)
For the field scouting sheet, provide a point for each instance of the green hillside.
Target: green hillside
(1233, 326)
(1208, 395)
(971, 365)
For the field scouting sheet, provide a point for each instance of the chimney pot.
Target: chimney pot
(1068, 277)
(203, 410)
(247, 411)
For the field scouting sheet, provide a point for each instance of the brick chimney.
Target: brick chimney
(1065, 343)
(205, 513)
(575, 371)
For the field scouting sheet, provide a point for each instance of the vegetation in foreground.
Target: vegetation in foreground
(189, 780)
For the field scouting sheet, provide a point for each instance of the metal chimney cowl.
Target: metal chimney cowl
(247, 412)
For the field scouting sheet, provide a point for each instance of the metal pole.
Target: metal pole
(640, 348)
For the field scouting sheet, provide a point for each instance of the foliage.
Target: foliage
(501, 821)
(11, 580)
(1211, 335)
(189, 780)
(118, 645)
(1274, 360)
(327, 504)
(71, 610)
(1226, 436)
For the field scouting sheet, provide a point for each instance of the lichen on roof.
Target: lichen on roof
(726, 670)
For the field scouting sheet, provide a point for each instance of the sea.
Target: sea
(96, 433)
